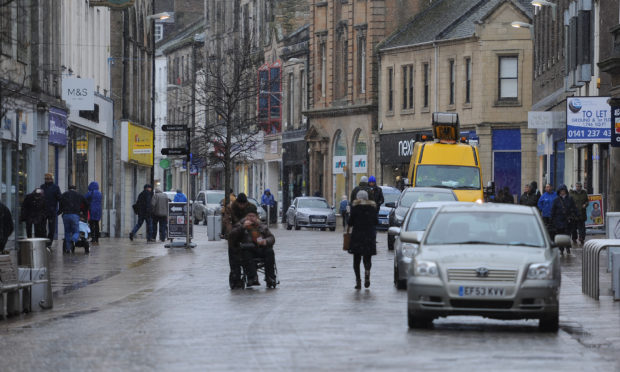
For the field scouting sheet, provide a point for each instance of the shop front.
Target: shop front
(295, 168)
(396, 150)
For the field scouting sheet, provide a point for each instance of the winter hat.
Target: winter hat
(242, 198)
(372, 179)
(147, 186)
(364, 179)
(362, 195)
(179, 191)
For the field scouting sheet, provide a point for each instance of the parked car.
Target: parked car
(312, 212)
(417, 220)
(261, 212)
(490, 260)
(390, 195)
(409, 196)
(207, 204)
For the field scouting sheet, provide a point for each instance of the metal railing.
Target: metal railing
(591, 264)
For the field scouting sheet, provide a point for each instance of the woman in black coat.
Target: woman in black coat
(563, 213)
(363, 244)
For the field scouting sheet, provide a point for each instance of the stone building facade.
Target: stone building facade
(460, 56)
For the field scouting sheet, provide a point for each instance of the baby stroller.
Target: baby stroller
(84, 230)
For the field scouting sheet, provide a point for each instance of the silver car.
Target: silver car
(416, 220)
(207, 203)
(312, 212)
(491, 260)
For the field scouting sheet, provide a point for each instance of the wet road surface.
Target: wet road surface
(143, 307)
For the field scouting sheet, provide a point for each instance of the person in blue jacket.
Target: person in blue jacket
(269, 204)
(180, 197)
(544, 205)
(94, 198)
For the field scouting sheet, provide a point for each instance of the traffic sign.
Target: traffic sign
(174, 151)
(173, 128)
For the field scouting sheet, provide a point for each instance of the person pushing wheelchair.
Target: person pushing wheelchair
(256, 241)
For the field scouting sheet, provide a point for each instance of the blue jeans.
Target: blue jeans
(72, 229)
(163, 227)
(149, 226)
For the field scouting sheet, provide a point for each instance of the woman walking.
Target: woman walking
(93, 198)
(563, 212)
(363, 219)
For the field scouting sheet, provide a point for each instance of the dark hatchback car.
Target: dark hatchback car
(411, 195)
(390, 195)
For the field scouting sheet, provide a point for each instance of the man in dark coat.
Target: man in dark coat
(52, 194)
(33, 214)
(94, 198)
(72, 204)
(233, 215)
(363, 185)
(580, 197)
(6, 225)
(377, 193)
(563, 212)
(144, 209)
(255, 241)
(363, 244)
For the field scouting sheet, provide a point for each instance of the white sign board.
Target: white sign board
(360, 164)
(588, 120)
(546, 119)
(79, 94)
(339, 163)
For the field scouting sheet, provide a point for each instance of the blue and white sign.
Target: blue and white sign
(360, 164)
(588, 120)
(339, 163)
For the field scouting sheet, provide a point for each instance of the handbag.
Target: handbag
(346, 240)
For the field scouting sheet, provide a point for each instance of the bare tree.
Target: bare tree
(225, 98)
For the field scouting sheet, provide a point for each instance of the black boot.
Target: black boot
(358, 283)
(367, 279)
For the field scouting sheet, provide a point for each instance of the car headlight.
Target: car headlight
(409, 249)
(539, 271)
(425, 268)
(300, 214)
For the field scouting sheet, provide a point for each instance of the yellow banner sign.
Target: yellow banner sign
(140, 144)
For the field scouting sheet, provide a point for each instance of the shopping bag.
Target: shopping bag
(346, 240)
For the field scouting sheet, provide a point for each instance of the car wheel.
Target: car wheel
(418, 322)
(204, 219)
(400, 284)
(332, 229)
(296, 226)
(549, 322)
(390, 241)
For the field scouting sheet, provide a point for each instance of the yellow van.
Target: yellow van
(447, 162)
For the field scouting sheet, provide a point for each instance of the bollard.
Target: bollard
(33, 258)
(615, 276)
(590, 265)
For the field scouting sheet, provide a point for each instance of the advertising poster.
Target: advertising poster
(339, 163)
(177, 215)
(615, 126)
(360, 164)
(587, 120)
(140, 144)
(594, 211)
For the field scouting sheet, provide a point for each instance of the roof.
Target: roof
(428, 189)
(182, 37)
(488, 207)
(448, 19)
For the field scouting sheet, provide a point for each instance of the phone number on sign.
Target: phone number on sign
(588, 133)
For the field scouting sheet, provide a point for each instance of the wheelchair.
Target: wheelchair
(242, 283)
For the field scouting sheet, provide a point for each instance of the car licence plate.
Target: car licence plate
(480, 291)
(383, 222)
(317, 220)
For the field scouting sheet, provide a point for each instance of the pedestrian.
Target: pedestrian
(250, 230)
(94, 198)
(179, 197)
(363, 185)
(534, 191)
(544, 206)
(72, 204)
(52, 194)
(363, 220)
(377, 193)
(33, 213)
(268, 203)
(531, 196)
(144, 209)
(508, 198)
(344, 210)
(524, 198)
(563, 214)
(159, 204)
(236, 211)
(580, 198)
(6, 225)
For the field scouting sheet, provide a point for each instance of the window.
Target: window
(407, 87)
(159, 32)
(323, 69)
(291, 100)
(340, 64)
(508, 78)
(452, 82)
(304, 93)
(467, 80)
(390, 89)
(361, 64)
(426, 87)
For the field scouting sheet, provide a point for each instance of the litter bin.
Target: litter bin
(33, 259)
(214, 227)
